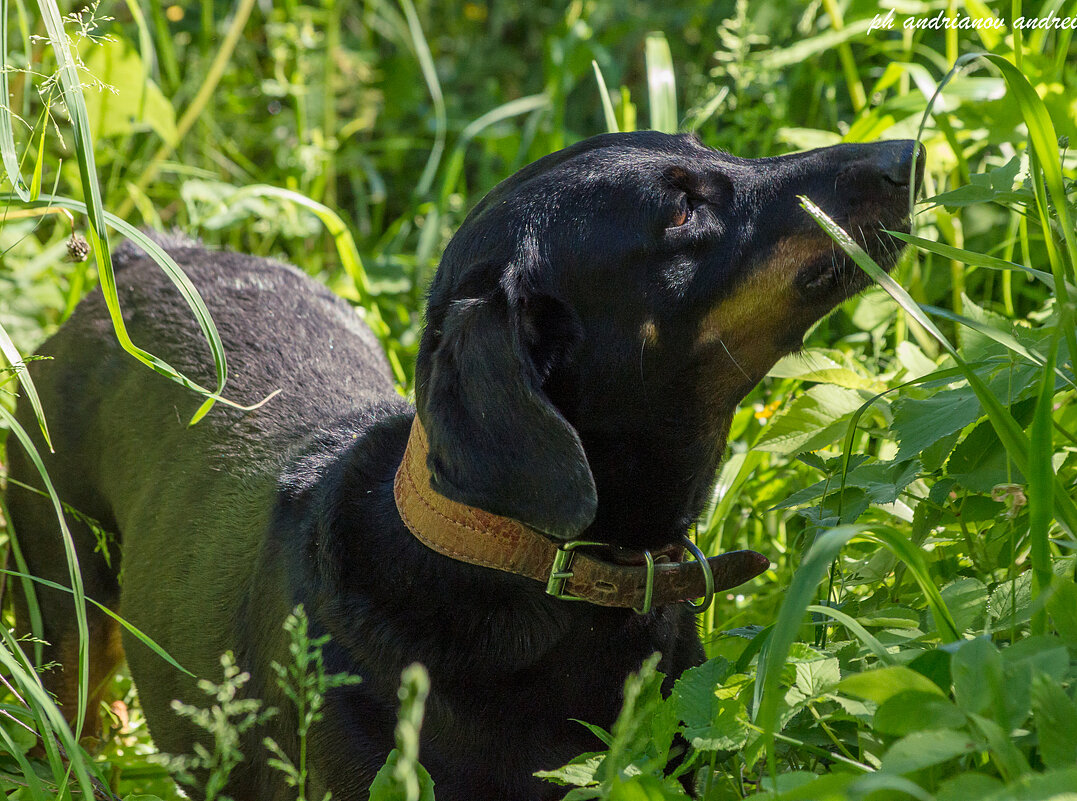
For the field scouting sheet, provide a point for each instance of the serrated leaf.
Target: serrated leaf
(814, 419)
(693, 694)
(920, 423)
(727, 730)
(814, 679)
(1003, 178)
(1011, 601)
(966, 195)
(580, 772)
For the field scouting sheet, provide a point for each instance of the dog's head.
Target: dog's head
(598, 316)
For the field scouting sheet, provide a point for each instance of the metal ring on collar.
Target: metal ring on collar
(648, 592)
(708, 577)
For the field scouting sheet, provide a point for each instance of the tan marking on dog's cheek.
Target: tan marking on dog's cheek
(752, 322)
(742, 337)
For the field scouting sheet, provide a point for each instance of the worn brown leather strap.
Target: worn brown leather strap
(471, 535)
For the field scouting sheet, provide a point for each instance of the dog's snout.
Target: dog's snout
(896, 162)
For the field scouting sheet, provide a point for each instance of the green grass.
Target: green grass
(911, 475)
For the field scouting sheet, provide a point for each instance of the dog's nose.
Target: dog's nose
(895, 161)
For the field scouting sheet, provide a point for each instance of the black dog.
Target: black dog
(589, 333)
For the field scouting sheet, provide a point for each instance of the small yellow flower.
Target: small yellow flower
(767, 412)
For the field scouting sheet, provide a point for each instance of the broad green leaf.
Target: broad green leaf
(922, 749)
(980, 461)
(805, 786)
(728, 728)
(1062, 607)
(1055, 714)
(1040, 654)
(386, 787)
(967, 601)
(913, 710)
(966, 786)
(978, 676)
(647, 788)
(1011, 601)
(816, 678)
(883, 683)
(693, 693)
(1055, 785)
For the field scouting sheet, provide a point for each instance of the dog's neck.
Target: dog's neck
(614, 577)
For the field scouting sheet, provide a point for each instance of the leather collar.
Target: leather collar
(469, 534)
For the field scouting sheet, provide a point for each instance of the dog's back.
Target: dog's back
(126, 458)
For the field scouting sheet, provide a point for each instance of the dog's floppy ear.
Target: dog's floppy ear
(496, 440)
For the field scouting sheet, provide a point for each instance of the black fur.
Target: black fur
(562, 381)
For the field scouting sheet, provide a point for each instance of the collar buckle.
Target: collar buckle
(560, 571)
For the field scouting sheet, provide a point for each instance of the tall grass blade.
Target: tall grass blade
(861, 633)
(430, 75)
(42, 704)
(7, 133)
(661, 84)
(334, 225)
(74, 573)
(798, 597)
(607, 104)
(186, 288)
(1004, 338)
(1041, 485)
(1011, 434)
(1044, 141)
(1046, 170)
(97, 228)
(973, 259)
(11, 353)
(197, 104)
(146, 640)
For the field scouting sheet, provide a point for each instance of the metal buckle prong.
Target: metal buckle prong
(560, 571)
